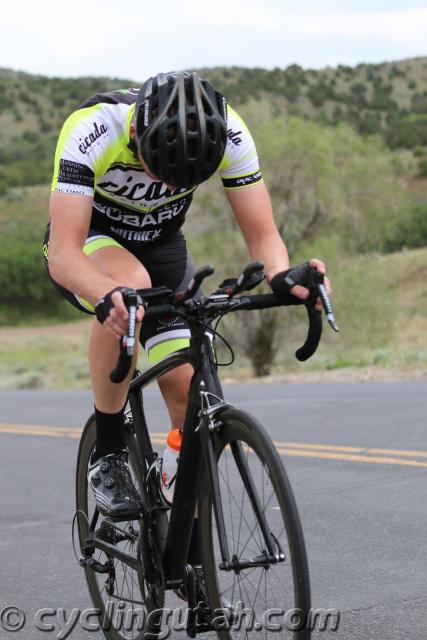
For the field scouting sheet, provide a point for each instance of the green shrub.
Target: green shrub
(395, 72)
(381, 100)
(408, 132)
(422, 168)
(419, 103)
(370, 123)
(412, 231)
(358, 88)
(419, 152)
(292, 91)
(23, 278)
(320, 92)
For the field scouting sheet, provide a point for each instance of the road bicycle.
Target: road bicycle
(229, 475)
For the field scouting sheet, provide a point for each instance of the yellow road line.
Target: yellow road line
(304, 453)
(40, 430)
(361, 450)
(293, 449)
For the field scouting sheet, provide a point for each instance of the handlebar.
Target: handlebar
(127, 343)
(161, 303)
(269, 300)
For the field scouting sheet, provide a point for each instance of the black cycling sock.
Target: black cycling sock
(109, 433)
(194, 552)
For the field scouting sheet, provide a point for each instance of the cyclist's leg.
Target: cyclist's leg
(170, 265)
(174, 387)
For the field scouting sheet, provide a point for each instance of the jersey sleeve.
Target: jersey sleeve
(240, 165)
(79, 152)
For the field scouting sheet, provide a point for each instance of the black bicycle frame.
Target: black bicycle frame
(173, 536)
(200, 355)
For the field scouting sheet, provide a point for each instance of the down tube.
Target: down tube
(186, 491)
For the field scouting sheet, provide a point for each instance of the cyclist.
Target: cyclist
(126, 167)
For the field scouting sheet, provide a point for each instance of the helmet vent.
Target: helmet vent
(189, 96)
(173, 108)
(207, 107)
(171, 133)
(154, 107)
(211, 129)
(192, 123)
(192, 149)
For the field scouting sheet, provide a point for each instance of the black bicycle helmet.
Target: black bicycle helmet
(181, 128)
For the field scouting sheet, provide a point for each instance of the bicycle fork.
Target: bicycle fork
(210, 422)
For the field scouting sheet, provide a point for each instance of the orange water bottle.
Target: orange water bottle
(170, 462)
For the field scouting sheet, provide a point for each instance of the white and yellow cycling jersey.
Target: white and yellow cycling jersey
(96, 157)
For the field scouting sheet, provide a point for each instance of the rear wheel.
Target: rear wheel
(122, 594)
(253, 596)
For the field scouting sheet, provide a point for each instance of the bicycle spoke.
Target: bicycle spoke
(243, 520)
(257, 505)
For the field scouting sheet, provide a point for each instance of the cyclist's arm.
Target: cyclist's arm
(68, 265)
(70, 218)
(252, 208)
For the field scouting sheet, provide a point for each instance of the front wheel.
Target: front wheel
(252, 594)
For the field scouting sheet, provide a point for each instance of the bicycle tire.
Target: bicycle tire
(232, 589)
(114, 622)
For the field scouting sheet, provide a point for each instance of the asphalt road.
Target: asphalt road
(356, 455)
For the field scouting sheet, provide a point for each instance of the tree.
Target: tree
(422, 168)
(370, 123)
(419, 103)
(320, 92)
(407, 132)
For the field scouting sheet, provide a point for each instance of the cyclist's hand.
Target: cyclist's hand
(111, 311)
(303, 293)
(293, 280)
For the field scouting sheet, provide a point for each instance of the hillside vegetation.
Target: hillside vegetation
(389, 99)
(380, 303)
(353, 194)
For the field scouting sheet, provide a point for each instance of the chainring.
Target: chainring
(150, 568)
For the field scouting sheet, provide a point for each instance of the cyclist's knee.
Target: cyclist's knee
(138, 279)
(122, 266)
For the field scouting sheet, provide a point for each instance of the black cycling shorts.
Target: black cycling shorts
(167, 263)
